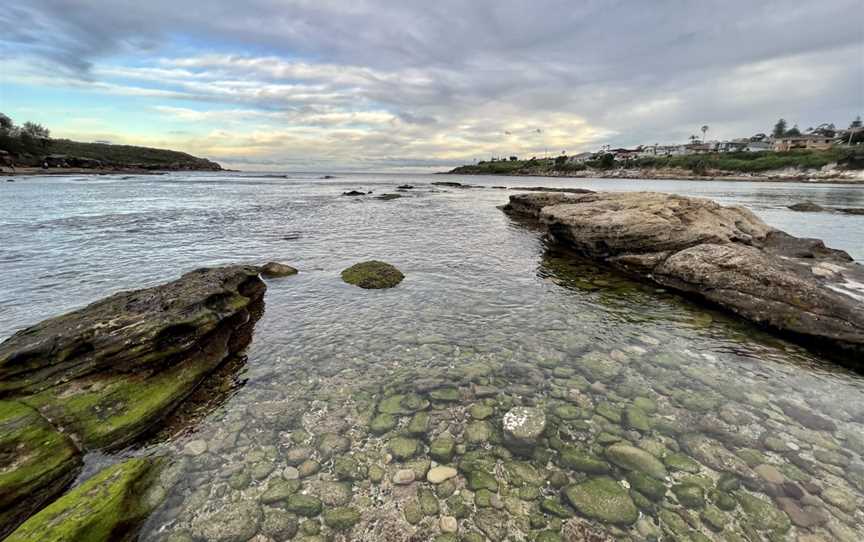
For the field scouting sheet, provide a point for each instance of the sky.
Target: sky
(407, 84)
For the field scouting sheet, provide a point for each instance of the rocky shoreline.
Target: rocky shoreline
(100, 377)
(724, 255)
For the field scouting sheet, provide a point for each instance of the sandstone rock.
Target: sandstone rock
(438, 475)
(725, 255)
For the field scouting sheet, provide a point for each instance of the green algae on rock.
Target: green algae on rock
(103, 375)
(603, 498)
(341, 519)
(372, 275)
(108, 507)
(36, 463)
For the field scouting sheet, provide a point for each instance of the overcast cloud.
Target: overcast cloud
(374, 84)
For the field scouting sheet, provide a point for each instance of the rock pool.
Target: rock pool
(380, 414)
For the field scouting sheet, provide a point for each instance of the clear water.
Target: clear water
(487, 310)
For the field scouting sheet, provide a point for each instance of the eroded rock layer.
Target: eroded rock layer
(103, 375)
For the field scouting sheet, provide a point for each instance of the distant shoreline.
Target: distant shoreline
(659, 175)
(37, 171)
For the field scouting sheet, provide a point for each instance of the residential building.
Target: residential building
(809, 142)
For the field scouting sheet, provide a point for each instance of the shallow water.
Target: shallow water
(488, 315)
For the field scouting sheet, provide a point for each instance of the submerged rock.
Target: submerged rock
(523, 426)
(631, 458)
(726, 255)
(276, 269)
(806, 207)
(372, 275)
(109, 506)
(604, 499)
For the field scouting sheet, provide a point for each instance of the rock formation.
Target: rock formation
(100, 376)
(372, 275)
(725, 255)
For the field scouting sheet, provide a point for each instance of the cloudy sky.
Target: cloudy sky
(369, 84)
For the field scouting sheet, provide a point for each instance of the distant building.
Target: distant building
(622, 155)
(808, 142)
(736, 145)
(758, 146)
(581, 158)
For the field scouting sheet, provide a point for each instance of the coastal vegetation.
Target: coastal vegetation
(730, 162)
(31, 145)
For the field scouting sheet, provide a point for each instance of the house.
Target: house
(581, 158)
(735, 145)
(808, 142)
(698, 148)
(758, 146)
(622, 155)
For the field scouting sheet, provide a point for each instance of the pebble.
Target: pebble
(403, 477)
(290, 473)
(769, 473)
(449, 524)
(195, 447)
(440, 474)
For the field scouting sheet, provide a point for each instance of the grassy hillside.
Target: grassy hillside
(32, 153)
(738, 162)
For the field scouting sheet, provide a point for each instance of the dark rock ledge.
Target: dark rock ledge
(99, 377)
(725, 255)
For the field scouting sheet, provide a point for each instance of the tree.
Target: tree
(793, 132)
(779, 128)
(6, 124)
(704, 131)
(856, 123)
(35, 130)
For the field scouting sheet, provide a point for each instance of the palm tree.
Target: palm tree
(704, 131)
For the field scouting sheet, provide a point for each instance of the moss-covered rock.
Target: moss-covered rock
(418, 425)
(402, 404)
(341, 519)
(403, 448)
(761, 514)
(36, 463)
(372, 275)
(304, 505)
(108, 507)
(580, 460)
(604, 499)
(382, 423)
(689, 495)
(631, 458)
(441, 449)
(652, 488)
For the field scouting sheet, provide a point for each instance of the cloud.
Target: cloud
(445, 81)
